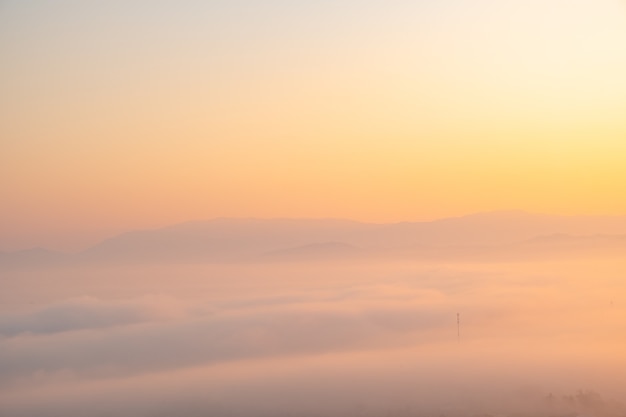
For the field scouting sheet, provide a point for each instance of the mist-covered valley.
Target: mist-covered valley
(321, 336)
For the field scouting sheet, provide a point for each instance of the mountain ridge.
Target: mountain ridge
(239, 239)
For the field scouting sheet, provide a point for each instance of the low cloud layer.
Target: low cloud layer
(330, 340)
(86, 313)
(90, 336)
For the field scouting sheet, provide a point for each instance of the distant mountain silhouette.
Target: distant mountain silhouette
(36, 257)
(225, 239)
(484, 235)
(316, 251)
(232, 240)
(567, 245)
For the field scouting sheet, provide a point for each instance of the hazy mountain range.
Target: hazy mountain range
(494, 235)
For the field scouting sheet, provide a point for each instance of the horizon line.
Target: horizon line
(281, 218)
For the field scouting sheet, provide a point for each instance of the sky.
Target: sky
(119, 115)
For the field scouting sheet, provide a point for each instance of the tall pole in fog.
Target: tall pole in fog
(458, 327)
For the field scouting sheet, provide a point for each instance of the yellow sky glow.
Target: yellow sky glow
(117, 117)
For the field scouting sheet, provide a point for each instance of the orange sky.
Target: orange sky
(117, 116)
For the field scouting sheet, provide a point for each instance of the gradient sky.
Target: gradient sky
(118, 115)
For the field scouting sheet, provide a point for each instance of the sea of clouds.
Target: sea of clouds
(319, 339)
